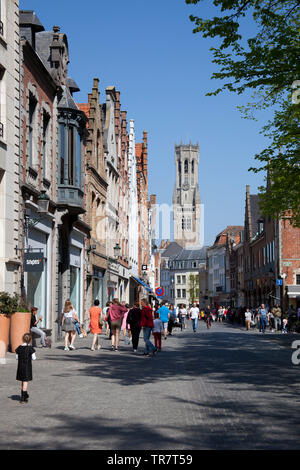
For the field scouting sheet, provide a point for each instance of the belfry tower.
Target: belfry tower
(186, 197)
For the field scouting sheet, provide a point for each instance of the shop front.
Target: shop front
(76, 272)
(98, 285)
(37, 271)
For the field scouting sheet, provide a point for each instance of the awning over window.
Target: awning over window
(142, 283)
(293, 291)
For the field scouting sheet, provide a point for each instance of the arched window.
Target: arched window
(193, 166)
(186, 166)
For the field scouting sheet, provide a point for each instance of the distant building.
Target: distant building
(218, 267)
(186, 197)
(180, 274)
(96, 195)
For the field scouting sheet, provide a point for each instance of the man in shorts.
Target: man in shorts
(164, 315)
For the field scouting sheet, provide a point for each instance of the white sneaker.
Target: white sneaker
(81, 336)
(66, 348)
(72, 347)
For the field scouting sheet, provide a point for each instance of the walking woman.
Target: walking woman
(116, 312)
(134, 321)
(147, 325)
(68, 320)
(96, 323)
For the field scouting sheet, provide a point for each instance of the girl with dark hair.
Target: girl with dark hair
(25, 354)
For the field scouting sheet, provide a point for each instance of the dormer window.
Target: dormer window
(261, 226)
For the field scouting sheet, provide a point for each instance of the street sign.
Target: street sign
(33, 262)
(159, 291)
(278, 282)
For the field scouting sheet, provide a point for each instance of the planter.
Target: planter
(4, 333)
(19, 325)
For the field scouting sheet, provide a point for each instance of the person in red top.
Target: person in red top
(116, 312)
(96, 323)
(147, 325)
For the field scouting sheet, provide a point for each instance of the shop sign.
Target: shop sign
(33, 262)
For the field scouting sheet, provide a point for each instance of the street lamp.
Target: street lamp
(43, 202)
(117, 250)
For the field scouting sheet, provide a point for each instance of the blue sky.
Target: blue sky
(147, 50)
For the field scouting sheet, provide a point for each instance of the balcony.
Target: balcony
(71, 197)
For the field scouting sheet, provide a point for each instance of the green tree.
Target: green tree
(269, 65)
(194, 287)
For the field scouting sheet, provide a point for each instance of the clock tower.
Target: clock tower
(186, 197)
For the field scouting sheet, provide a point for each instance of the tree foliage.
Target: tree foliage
(269, 64)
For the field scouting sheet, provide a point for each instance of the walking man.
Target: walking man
(164, 315)
(194, 313)
(263, 317)
(277, 317)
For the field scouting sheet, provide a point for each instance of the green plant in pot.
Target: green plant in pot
(8, 305)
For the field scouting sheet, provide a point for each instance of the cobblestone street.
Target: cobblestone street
(217, 389)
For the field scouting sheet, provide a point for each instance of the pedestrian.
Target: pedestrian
(248, 318)
(96, 323)
(107, 323)
(284, 325)
(164, 315)
(68, 320)
(221, 314)
(208, 316)
(25, 354)
(147, 325)
(182, 316)
(172, 319)
(194, 313)
(134, 322)
(125, 326)
(116, 312)
(271, 321)
(157, 331)
(34, 326)
(263, 317)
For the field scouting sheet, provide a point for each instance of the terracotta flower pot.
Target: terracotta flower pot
(19, 325)
(4, 333)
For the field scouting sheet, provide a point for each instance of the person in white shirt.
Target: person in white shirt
(248, 318)
(68, 319)
(182, 316)
(194, 315)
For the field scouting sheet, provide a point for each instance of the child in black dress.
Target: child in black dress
(25, 353)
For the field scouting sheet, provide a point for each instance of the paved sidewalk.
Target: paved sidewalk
(222, 388)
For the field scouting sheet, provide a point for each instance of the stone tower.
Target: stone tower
(186, 197)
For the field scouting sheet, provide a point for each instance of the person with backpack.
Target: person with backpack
(147, 325)
(172, 319)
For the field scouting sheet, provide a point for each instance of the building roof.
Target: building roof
(85, 107)
(232, 231)
(172, 250)
(255, 213)
(191, 254)
(66, 100)
(28, 17)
